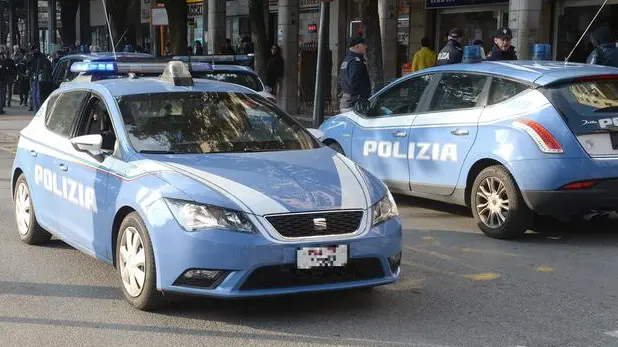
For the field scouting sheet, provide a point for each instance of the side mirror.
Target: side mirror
(362, 107)
(316, 133)
(88, 143)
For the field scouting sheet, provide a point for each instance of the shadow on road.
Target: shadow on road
(59, 290)
(433, 205)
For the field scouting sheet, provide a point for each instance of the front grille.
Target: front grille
(287, 275)
(307, 224)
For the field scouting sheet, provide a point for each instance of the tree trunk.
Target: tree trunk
(258, 35)
(68, 14)
(371, 23)
(177, 17)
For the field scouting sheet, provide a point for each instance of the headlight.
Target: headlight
(385, 209)
(194, 217)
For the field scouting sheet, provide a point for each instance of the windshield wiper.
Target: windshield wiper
(148, 151)
(607, 109)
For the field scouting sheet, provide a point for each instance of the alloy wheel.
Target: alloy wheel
(492, 202)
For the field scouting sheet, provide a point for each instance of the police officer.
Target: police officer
(451, 53)
(355, 82)
(502, 49)
(605, 51)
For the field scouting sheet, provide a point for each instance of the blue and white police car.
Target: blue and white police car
(199, 187)
(511, 140)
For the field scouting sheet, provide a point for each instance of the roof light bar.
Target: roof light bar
(112, 68)
(472, 54)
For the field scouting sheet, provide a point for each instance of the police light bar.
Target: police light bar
(541, 51)
(115, 68)
(472, 54)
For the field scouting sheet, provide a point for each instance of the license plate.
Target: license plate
(312, 257)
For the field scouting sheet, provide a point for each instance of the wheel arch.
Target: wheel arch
(118, 218)
(16, 173)
(475, 170)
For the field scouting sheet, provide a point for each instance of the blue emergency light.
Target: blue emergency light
(94, 68)
(115, 68)
(472, 54)
(541, 51)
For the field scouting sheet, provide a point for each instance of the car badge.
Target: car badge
(319, 224)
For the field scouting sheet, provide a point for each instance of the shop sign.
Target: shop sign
(452, 3)
(159, 16)
(195, 10)
(304, 4)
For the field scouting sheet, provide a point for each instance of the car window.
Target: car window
(70, 75)
(60, 72)
(66, 108)
(457, 91)
(244, 79)
(209, 122)
(97, 121)
(402, 98)
(503, 89)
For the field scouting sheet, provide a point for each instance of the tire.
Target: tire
(502, 214)
(144, 297)
(336, 147)
(29, 229)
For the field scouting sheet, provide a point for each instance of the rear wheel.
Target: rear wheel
(29, 229)
(497, 204)
(136, 266)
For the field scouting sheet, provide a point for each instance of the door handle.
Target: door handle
(64, 167)
(33, 153)
(460, 132)
(400, 134)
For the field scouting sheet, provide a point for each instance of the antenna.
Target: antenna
(109, 28)
(585, 32)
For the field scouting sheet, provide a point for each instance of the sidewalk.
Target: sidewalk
(11, 123)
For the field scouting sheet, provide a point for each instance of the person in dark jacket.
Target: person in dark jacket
(451, 53)
(274, 69)
(355, 82)
(502, 49)
(23, 85)
(605, 51)
(198, 49)
(39, 74)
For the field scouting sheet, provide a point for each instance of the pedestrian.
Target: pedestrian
(39, 73)
(198, 49)
(605, 51)
(274, 70)
(355, 82)
(502, 49)
(23, 85)
(11, 73)
(451, 53)
(479, 43)
(424, 57)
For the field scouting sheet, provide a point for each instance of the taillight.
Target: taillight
(580, 185)
(546, 142)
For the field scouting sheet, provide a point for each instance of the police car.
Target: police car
(512, 141)
(199, 187)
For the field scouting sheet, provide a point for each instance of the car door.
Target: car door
(40, 165)
(88, 179)
(442, 135)
(380, 142)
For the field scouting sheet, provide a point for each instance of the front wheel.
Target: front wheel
(136, 265)
(497, 204)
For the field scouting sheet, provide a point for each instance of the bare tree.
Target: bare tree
(371, 23)
(258, 33)
(177, 17)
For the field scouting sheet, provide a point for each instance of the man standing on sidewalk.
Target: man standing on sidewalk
(355, 82)
(502, 49)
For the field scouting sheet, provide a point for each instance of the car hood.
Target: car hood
(282, 182)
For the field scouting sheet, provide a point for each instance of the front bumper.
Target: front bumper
(603, 196)
(257, 266)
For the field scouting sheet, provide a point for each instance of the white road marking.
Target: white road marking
(612, 333)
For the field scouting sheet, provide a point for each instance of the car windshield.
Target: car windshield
(245, 79)
(209, 122)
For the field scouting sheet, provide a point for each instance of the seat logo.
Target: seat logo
(319, 224)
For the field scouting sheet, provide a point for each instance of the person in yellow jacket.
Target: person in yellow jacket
(424, 57)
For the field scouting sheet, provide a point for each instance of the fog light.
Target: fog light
(201, 278)
(395, 262)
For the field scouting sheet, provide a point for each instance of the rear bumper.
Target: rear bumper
(603, 196)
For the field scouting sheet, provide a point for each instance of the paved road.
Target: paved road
(458, 289)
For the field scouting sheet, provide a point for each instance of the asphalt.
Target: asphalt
(458, 289)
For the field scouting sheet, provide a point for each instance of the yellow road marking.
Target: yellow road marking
(488, 276)
(428, 238)
(543, 268)
(474, 250)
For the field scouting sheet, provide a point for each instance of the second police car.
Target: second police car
(199, 187)
(512, 141)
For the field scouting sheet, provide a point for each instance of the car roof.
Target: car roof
(541, 73)
(132, 86)
(106, 56)
(234, 68)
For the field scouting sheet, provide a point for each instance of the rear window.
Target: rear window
(242, 78)
(589, 106)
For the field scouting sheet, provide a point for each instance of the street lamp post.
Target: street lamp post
(318, 100)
